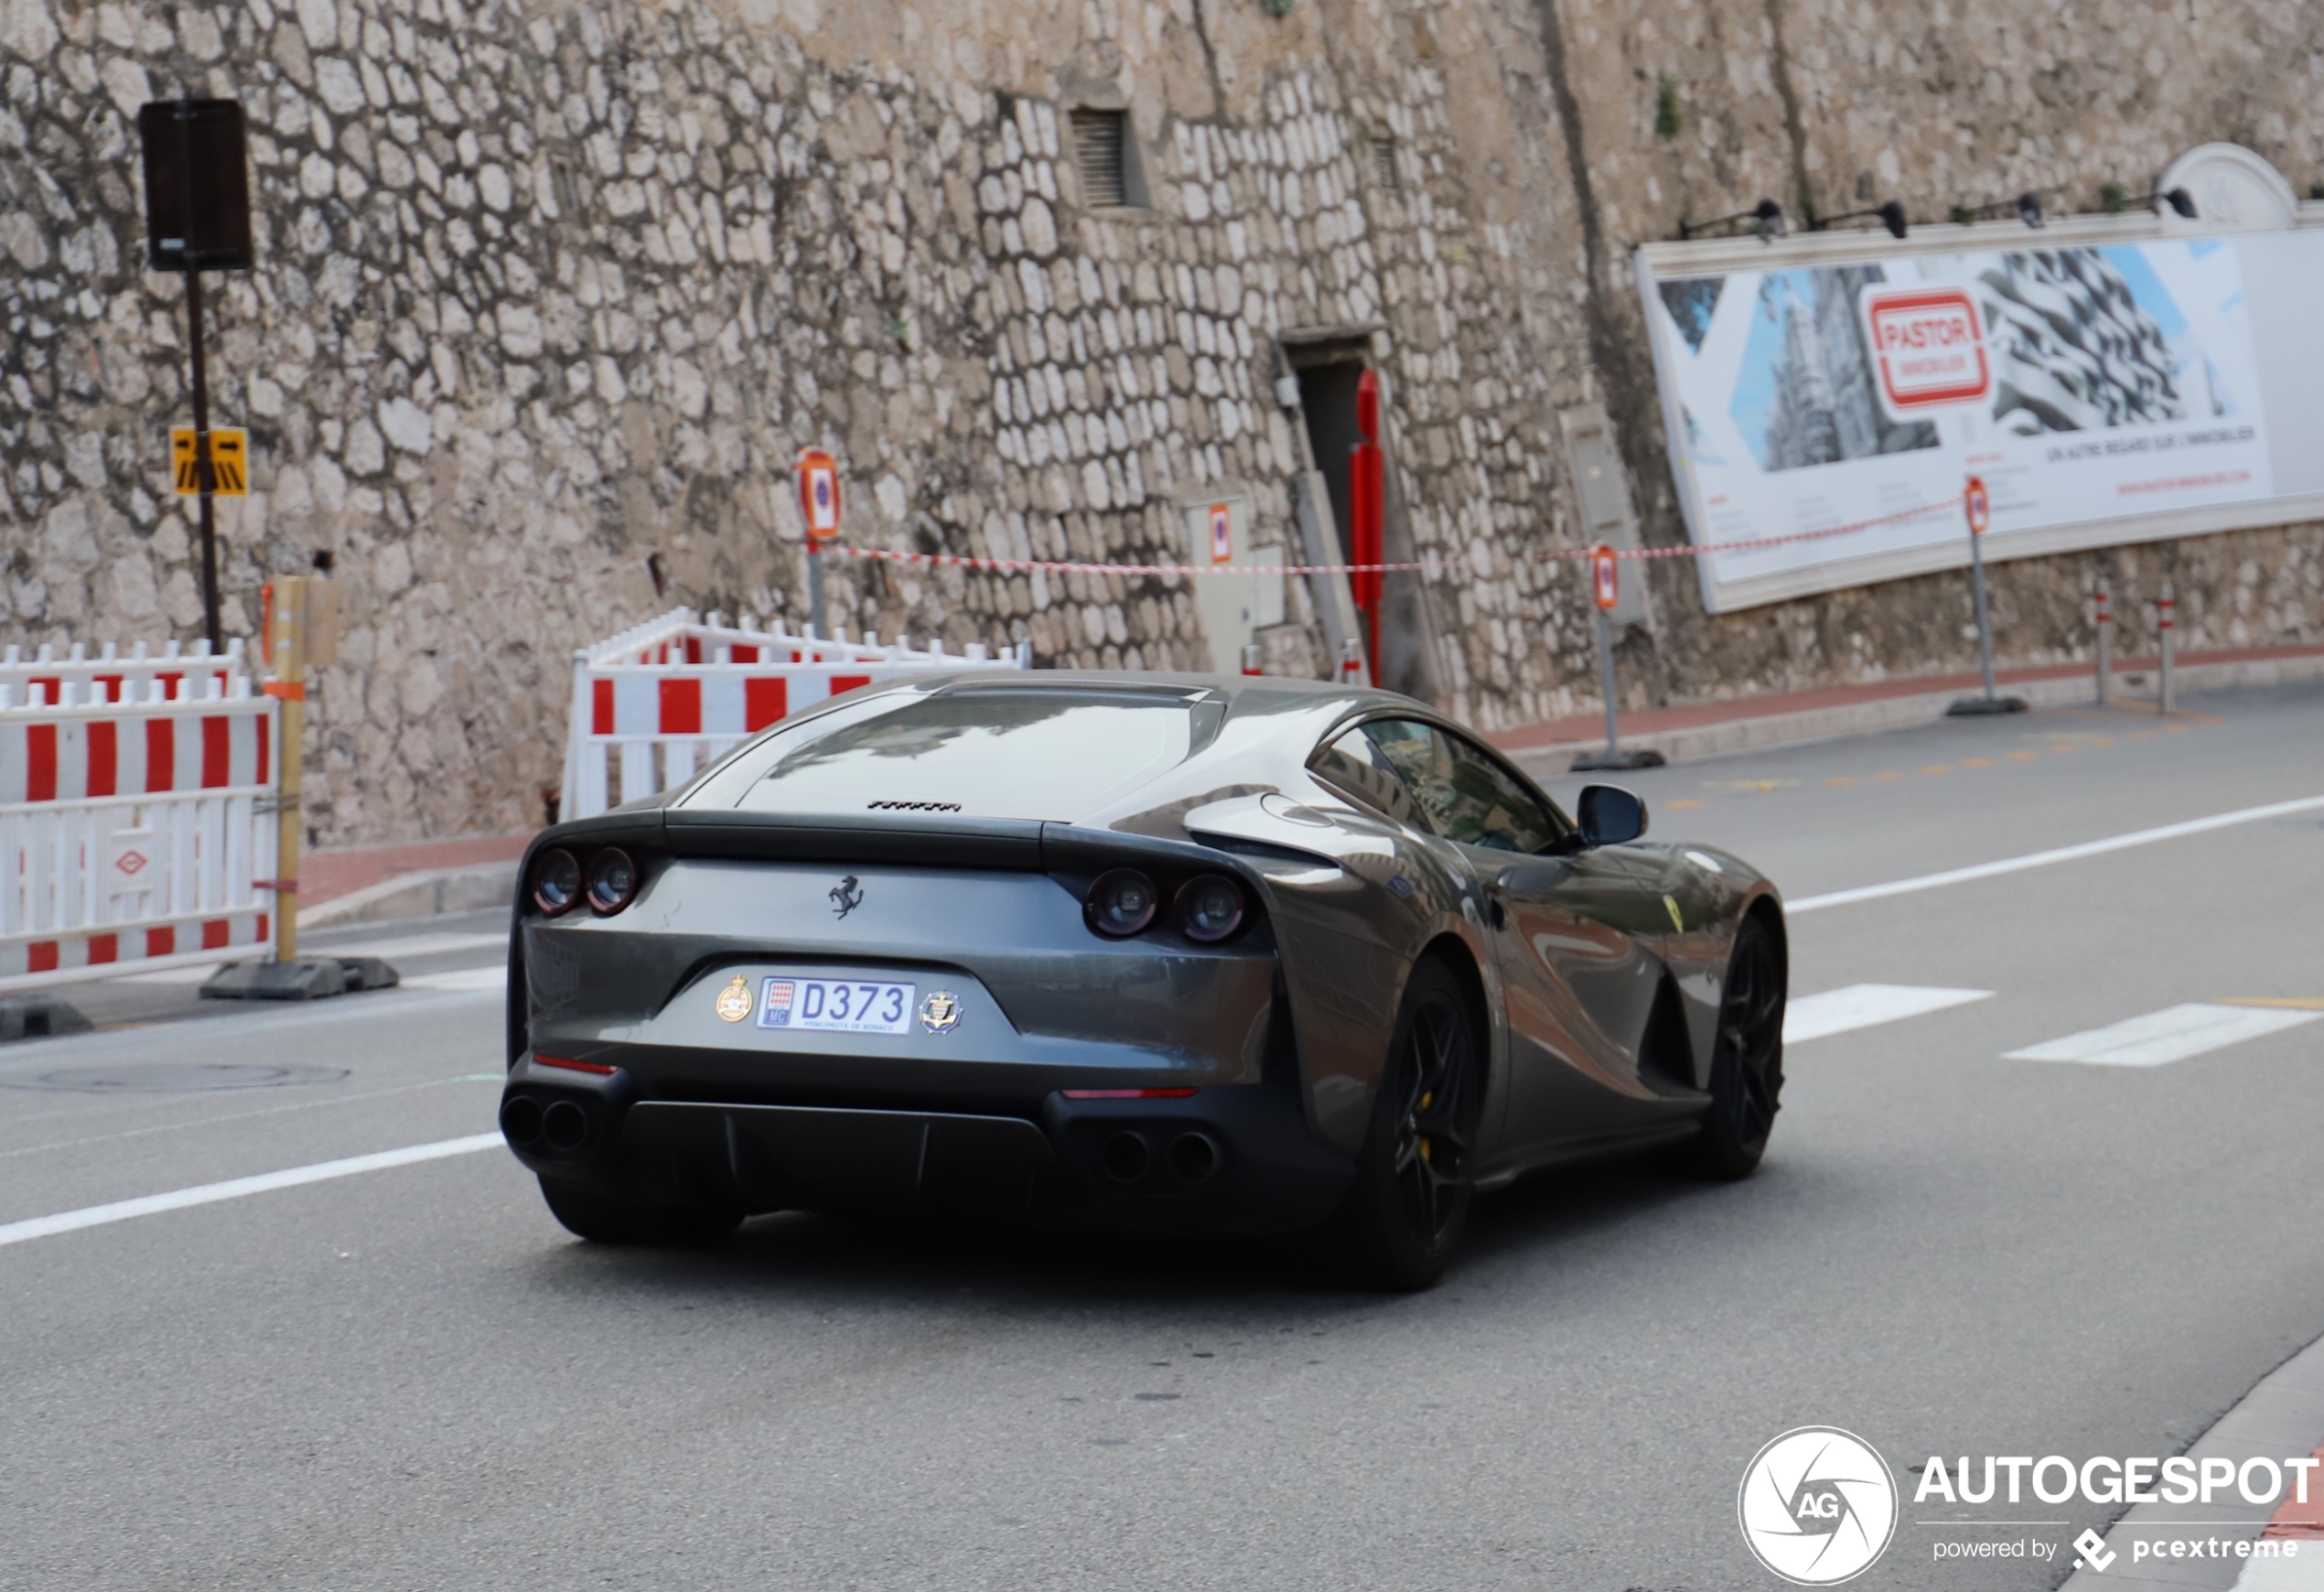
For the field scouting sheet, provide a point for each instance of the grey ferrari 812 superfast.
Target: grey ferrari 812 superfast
(1174, 951)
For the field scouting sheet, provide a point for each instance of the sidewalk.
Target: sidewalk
(357, 883)
(1706, 729)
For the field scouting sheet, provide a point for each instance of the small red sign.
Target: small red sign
(1222, 534)
(1605, 577)
(818, 494)
(1930, 345)
(1978, 505)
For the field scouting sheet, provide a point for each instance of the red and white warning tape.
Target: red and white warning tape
(1419, 566)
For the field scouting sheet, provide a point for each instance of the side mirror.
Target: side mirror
(1609, 815)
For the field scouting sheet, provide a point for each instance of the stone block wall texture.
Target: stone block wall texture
(550, 296)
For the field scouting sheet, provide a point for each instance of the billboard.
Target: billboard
(1827, 406)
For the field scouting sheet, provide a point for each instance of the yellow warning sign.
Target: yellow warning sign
(229, 461)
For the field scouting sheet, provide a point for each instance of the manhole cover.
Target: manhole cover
(179, 1078)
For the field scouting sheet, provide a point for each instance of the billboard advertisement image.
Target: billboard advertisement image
(1828, 415)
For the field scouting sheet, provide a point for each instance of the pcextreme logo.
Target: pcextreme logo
(1817, 1506)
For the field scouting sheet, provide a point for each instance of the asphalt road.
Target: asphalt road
(413, 1379)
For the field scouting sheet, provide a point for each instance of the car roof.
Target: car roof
(1251, 732)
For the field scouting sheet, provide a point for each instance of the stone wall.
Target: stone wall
(549, 298)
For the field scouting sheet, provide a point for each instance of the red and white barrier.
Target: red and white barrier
(109, 676)
(136, 820)
(654, 704)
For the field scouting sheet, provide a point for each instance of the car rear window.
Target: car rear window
(1005, 753)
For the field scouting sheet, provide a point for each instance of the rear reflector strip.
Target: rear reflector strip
(600, 1070)
(1128, 1093)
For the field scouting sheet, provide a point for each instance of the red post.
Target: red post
(1367, 486)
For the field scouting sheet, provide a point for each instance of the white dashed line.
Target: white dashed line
(2044, 858)
(234, 1188)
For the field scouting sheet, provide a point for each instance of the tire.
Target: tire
(1404, 1216)
(1747, 1063)
(608, 1219)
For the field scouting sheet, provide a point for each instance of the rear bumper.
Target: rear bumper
(1231, 1159)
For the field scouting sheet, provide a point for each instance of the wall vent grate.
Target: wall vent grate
(1100, 150)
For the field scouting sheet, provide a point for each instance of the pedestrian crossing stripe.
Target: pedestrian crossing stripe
(2173, 1034)
(229, 461)
(1865, 1005)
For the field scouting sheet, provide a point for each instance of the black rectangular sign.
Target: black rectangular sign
(196, 186)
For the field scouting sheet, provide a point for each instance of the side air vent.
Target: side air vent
(913, 806)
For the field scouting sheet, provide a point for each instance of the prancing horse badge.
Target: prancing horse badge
(733, 1001)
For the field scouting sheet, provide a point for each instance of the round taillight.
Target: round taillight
(1120, 903)
(1209, 907)
(556, 881)
(613, 880)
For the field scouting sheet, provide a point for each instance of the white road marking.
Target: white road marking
(1861, 1005)
(2063, 854)
(414, 945)
(2172, 1034)
(234, 1188)
(495, 977)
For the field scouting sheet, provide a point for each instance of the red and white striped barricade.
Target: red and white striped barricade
(134, 828)
(674, 695)
(110, 676)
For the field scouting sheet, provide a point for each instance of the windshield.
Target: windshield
(1011, 753)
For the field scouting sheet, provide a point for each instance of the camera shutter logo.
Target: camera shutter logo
(1817, 1506)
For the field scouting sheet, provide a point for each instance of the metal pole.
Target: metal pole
(2104, 614)
(815, 586)
(2167, 621)
(1984, 624)
(204, 477)
(289, 644)
(1606, 678)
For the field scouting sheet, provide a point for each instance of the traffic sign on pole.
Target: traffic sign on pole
(1978, 504)
(1605, 577)
(818, 494)
(229, 461)
(1606, 591)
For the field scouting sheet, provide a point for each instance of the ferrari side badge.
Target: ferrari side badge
(733, 1001)
(1677, 923)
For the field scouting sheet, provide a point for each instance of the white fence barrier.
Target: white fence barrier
(654, 704)
(105, 677)
(137, 816)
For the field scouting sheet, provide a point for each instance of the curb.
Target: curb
(1818, 723)
(2284, 1414)
(422, 894)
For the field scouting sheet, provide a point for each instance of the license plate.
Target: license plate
(847, 1006)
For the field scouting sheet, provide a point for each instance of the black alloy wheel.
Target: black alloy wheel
(1746, 1066)
(602, 1218)
(1404, 1216)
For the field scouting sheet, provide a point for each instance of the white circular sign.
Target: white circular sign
(1817, 1506)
